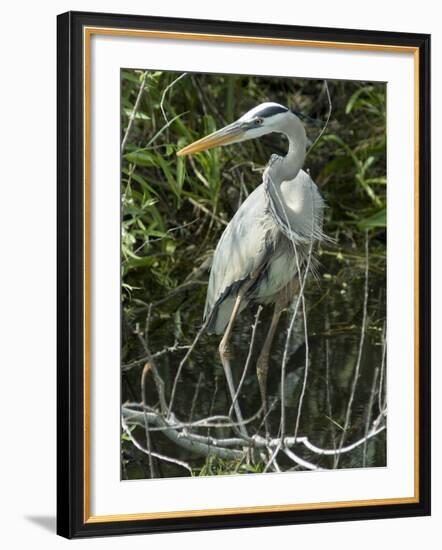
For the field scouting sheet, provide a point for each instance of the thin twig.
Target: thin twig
(167, 349)
(138, 445)
(198, 174)
(195, 396)
(249, 356)
(368, 415)
(163, 97)
(381, 390)
(161, 130)
(359, 357)
(134, 111)
(146, 369)
(159, 382)
(298, 460)
(215, 421)
(299, 298)
(212, 403)
(335, 452)
(327, 380)
(206, 211)
(330, 106)
(181, 365)
(306, 370)
(273, 455)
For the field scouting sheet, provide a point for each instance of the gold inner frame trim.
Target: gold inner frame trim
(87, 33)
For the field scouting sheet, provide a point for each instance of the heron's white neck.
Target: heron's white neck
(285, 169)
(294, 159)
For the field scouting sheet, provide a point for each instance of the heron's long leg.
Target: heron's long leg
(225, 354)
(262, 365)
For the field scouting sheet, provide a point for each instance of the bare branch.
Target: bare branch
(222, 447)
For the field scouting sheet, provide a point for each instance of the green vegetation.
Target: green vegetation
(215, 466)
(175, 209)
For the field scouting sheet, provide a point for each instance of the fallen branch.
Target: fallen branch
(179, 438)
(181, 433)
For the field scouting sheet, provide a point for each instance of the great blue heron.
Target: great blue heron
(259, 255)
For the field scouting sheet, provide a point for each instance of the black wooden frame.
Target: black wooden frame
(70, 225)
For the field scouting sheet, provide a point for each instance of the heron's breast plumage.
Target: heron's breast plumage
(253, 243)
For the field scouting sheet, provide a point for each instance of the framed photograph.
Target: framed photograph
(243, 274)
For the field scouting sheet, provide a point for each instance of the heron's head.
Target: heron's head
(263, 119)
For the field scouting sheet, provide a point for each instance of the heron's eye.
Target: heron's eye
(258, 121)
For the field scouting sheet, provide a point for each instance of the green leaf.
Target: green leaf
(352, 102)
(141, 157)
(377, 220)
(138, 115)
(180, 172)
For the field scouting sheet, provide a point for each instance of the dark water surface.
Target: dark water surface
(334, 315)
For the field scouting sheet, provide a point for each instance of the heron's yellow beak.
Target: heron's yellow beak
(230, 134)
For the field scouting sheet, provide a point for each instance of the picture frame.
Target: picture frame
(75, 375)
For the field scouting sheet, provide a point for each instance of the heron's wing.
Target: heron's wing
(241, 251)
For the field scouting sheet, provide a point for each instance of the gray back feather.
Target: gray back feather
(241, 250)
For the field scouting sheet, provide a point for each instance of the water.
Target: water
(334, 317)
